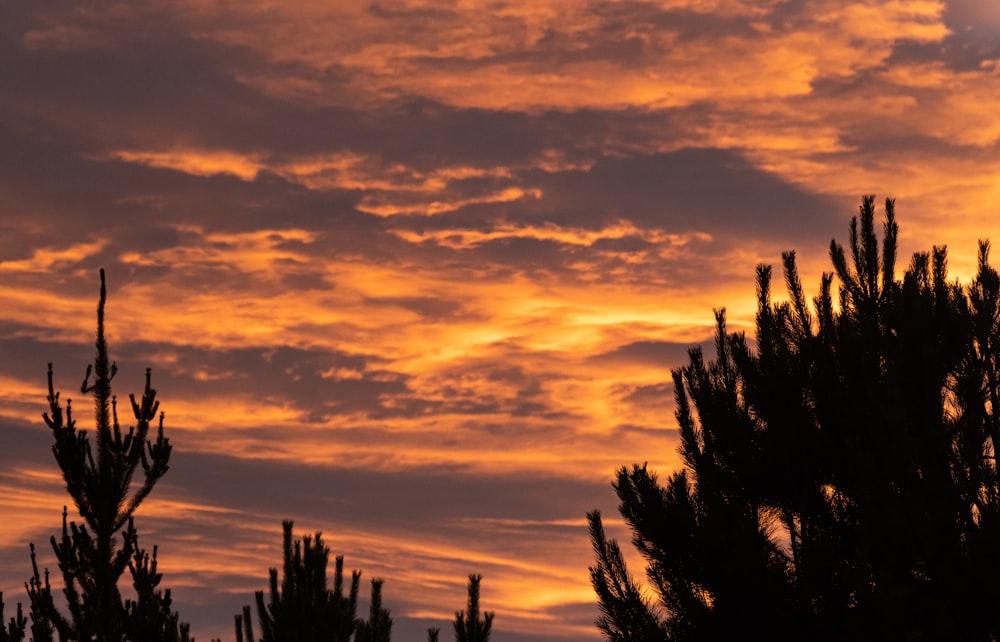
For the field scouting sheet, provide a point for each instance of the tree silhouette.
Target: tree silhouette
(13, 629)
(304, 609)
(469, 626)
(839, 476)
(91, 557)
(378, 626)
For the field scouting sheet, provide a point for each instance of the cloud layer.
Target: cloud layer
(415, 273)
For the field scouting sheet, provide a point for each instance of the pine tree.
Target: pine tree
(469, 626)
(304, 608)
(13, 629)
(94, 555)
(378, 626)
(839, 476)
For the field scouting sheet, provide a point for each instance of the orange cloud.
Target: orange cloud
(52, 258)
(465, 239)
(197, 162)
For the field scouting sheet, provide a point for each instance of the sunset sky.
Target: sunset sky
(414, 274)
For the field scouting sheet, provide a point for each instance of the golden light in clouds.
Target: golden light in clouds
(415, 273)
(48, 258)
(196, 162)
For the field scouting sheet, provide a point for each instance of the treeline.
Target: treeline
(94, 555)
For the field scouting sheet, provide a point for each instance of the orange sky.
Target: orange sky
(415, 273)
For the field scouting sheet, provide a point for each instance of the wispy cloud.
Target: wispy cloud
(415, 273)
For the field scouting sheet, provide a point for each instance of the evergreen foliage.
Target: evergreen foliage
(304, 609)
(469, 626)
(378, 626)
(840, 480)
(93, 556)
(13, 629)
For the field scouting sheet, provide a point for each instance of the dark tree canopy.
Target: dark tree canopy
(839, 477)
(473, 625)
(100, 472)
(13, 629)
(303, 607)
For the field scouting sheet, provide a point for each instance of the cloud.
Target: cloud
(415, 273)
(655, 354)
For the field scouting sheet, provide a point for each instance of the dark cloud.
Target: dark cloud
(427, 307)
(24, 444)
(408, 16)
(376, 500)
(653, 18)
(691, 190)
(653, 395)
(532, 257)
(656, 354)
(136, 208)
(649, 432)
(581, 614)
(427, 134)
(319, 383)
(144, 86)
(130, 86)
(975, 34)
